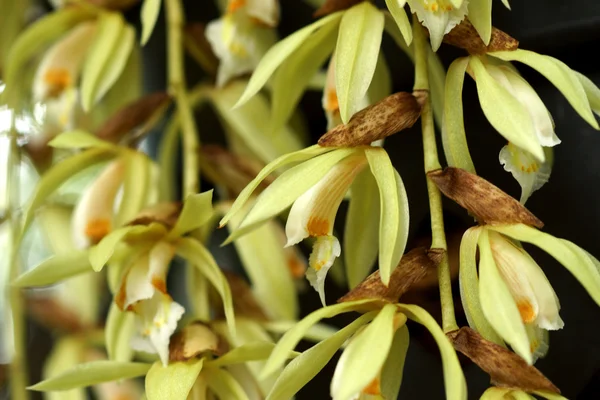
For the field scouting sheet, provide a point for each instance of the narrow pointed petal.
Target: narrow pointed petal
(313, 213)
(439, 17)
(61, 65)
(480, 15)
(93, 215)
(325, 251)
(529, 172)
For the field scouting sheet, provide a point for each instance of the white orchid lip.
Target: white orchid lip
(325, 250)
(313, 213)
(534, 297)
(93, 215)
(438, 16)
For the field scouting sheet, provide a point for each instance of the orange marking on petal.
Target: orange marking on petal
(297, 269)
(58, 80)
(159, 284)
(96, 229)
(332, 103)
(434, 7)
(373, 388)
(317, 226)
(235, 5)
(526, 310)
(120, 298)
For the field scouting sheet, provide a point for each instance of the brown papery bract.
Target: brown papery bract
(200, 49)
(163, 213)
(413, 267)
(115, 4)
(54, 315)
(392, 114)
(485, 201)
(505, 368)
(244, 302)
(135, 119)
(331, 6)
(466, 37)
(194, 340)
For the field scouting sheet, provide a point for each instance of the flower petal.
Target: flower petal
(325, 251)
(480, 15)
(93, 215)
(265, 11)
(62, 63)
(529, 172)
(538, 341)
(313, 213)
(156, 322)
(439, 17)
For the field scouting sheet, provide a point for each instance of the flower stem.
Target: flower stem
(177, 86)
(18, 365)
(430, 155)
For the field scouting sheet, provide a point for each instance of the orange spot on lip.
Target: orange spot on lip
(120, 298)
(296, 268)
(235, 5)
(317, 226)
(159, 284)
(373, 388)
(96, 229)
(526, 310)
(57, 79)
(332, 104)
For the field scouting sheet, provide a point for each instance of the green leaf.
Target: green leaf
(284, 160)
(136, 186)
(55, 269)
(359, 39)
(392, 29)
(396, 8)
(103, 251)
(393, 369)
(454, 139)
(197, 210)
(561, 76)
(504, 112)
(480, 15)
(497, 303)
(361, 242)
(549, 395)
(256, 351)
(308, 364)
(173, 381)
(290, 185)
(250, 123)
(291, 338)
(293, 76)
(197, 254)
(495, 393)
(394, 214)
(79, 139)
(580, 263)
(381, 85)
(224, 385)
(148, 16)
(66, 353)
(469, 286)
(591, 90)
(107, 58)
(264, 260)
(316, 333)
(364, 357)
(280, 52)
(53, 178)
(36, 37)
(454, 380)
(92, 373)
(118, 331)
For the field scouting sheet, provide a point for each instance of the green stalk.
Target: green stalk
(18, 365)
(177, 86)
(431, 161)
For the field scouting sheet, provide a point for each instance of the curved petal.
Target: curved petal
(529, 172)
(313, 213)
(93, 215)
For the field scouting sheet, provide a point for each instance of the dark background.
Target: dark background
(567, 204)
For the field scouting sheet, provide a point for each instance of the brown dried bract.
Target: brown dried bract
(39, 152)
(413, 267)
(466, 37)
(505, 368)
(135, 119)
(162, 213)
(115, 4)
(231, 170)
(194, 340)
(392, 114)
(244, 302)
(486, 202)
(331, 6)
(199, 48)
(53, 314)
